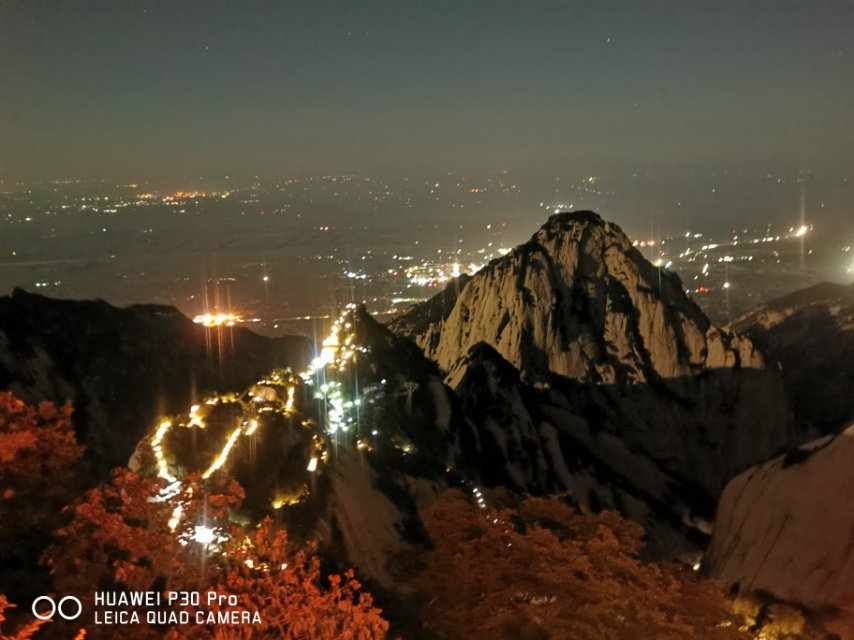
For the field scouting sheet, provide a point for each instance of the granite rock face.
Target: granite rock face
(785, 528)
(578, 300)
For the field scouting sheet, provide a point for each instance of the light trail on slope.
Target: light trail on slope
(223, 454)
(275, 393)
(338, 351)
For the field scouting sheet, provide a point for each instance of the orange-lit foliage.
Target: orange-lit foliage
(542, 570)
(23, 633)
(38, 452)
(283, 583)
(119, 537)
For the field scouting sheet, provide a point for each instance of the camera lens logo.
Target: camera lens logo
(65, 608)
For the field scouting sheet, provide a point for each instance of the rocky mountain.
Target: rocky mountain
(122, 368)
(809, 337)
(613, 344)
(578, 300)
(784, 528)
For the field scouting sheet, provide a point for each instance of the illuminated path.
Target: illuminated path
(276, 393)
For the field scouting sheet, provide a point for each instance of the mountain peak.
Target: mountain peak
(574, 216)
(578, 299)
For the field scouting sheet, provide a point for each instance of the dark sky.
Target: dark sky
(120, 89)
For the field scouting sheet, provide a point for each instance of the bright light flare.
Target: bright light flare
(211, 320)
(802, 231)
(204, 535)
(195, 419)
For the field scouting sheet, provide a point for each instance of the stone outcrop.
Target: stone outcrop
(785, 528)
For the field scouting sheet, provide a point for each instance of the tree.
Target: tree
(38, 451)
(38, 457)
(122, 537)
(542, 570)
(22, 633)
(283, 583)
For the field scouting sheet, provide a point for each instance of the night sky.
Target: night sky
(119, 89)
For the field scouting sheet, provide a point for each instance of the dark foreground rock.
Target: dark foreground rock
(784, 528)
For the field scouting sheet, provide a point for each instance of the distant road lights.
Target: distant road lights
(265, 278)
(727, 285)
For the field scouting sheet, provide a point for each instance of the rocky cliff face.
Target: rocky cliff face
(606, 336)
(563, 437)
(578, 300)
(809, 337)
(122, 368)
(785, 528)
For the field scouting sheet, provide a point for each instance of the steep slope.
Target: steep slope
(578, 300)
(424, 322)
(809, 336)
(578, 309)
(785, 528)
(121, 368)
